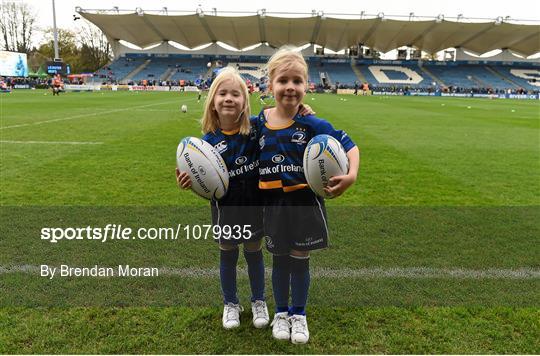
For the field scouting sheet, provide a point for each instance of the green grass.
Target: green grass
(414, 151)
(440, 186)
(185, 330)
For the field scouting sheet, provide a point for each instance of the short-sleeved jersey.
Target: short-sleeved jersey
(240, 152)
(282, 150)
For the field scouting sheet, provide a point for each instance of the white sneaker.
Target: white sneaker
(231, 315)
(281, 329)
(260, 314)
(299, 329)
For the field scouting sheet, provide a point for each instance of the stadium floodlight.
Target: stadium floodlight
(139, 11)
(55, 32)
(440, 18)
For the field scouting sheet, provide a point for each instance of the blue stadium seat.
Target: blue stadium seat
(456, 75)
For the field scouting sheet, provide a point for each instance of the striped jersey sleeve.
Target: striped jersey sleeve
(282, 150)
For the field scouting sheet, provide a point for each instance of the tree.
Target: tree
(17, 23)
(67, 47)
(85, 50)
(95, 50)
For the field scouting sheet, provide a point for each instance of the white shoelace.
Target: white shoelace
(233, 311)
(282, 323)
(298, 325)
(260, 311)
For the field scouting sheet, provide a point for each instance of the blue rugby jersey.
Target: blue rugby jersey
(282, 150)
(240, 152)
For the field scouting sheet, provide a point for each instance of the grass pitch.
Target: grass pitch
(433, 250)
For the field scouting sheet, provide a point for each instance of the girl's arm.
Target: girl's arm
(338, 184)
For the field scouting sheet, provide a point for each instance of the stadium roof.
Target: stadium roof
(143, 30)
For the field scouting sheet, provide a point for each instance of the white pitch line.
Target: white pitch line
(95, 114)
(343, 273)
(53, 142)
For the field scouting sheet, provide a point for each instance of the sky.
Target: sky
(520, 10)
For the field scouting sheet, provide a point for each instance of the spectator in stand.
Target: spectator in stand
(3, 86)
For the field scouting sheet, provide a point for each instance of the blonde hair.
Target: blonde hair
(285, 58)
(210, 119)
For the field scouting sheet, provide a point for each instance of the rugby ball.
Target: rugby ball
(324, 158)
(183, 108)
(207, 170)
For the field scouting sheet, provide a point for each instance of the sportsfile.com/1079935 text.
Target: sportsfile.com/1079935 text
(118, 232)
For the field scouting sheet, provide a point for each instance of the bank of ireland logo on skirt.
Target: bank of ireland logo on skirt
(269, 242)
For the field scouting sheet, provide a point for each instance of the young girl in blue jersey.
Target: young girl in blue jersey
(294, 217)
(228, 126)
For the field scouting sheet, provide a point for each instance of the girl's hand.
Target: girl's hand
(338, 185)
(182, 179)
(305, 110)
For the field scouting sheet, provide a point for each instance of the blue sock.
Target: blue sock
(255, 265)
(227, 274)
(281, 279)
(300, 279)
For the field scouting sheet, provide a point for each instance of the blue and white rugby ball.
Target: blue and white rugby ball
(207, 170)
(324, 158)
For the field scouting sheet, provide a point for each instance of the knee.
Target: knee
(227, 247)
(253, 246)
(299, 254)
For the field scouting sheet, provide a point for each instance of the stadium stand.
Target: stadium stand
(249, 71)
(328, 72)
(456, 76)
(394, 75)
(153, 70)
(314, 73)
(119, 69)
(189, 69)
(463, 73)
(341, 73)
(517, 76)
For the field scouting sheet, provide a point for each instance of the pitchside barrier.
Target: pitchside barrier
(81, 87)
(89, 87)
(85, 87)
(462, 95)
